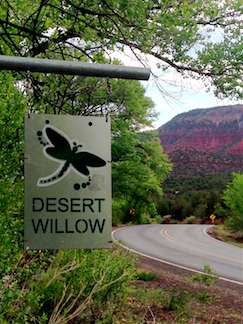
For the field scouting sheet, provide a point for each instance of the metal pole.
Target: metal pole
(73, 68)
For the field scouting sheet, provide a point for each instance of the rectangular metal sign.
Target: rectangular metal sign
(67, 182)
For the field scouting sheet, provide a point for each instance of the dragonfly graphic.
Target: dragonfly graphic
(65, 151)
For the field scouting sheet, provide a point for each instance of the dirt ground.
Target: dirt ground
(226, 308)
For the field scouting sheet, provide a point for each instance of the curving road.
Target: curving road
(187, 246)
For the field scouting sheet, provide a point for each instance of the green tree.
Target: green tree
(219, 210)
(163, 206)
(26, 290)
(101, 277)
(233, 197)
(180, 34)
(139, 168)
(13, 105)
(201, 211)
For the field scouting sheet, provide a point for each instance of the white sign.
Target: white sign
(67, 182)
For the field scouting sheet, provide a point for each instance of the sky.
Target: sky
(188, 94)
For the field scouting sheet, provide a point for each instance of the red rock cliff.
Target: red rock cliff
(205, 141)
(218, 130)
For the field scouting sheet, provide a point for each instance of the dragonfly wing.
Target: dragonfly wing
(83, 159)
(61, 149)
(56, 153)
(81, 167)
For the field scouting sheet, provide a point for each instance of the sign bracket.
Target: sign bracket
(73, 68)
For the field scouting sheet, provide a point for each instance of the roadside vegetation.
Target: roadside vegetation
(190, 298)
(194, 196)
(222, 233)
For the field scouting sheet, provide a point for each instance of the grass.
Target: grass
(174, 305)
(145, 275)
(191, 302)
(221, 233)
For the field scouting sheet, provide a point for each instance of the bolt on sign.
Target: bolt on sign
(67, 182)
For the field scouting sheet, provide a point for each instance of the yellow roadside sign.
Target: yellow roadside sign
(212, 216)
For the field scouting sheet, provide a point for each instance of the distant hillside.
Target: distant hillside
(191, 162)
(218, 129)
(205, 141)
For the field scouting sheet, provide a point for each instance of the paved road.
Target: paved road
(185, 245)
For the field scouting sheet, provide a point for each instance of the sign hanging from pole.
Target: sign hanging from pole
(67, 182)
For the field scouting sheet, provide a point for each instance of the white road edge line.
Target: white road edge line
(162, 261)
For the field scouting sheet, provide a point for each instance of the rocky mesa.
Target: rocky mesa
(214, 136)
(218, 129)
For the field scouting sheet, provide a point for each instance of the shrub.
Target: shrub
(145, 219)
(177, 300)
(119, 208)
(158, 219)
(233, 197)
(166, 219)
(207, 277)
(146, 275)
(190, 220)
(67, 287)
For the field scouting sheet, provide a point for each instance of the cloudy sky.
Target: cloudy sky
(187, 97)
(181, 95)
